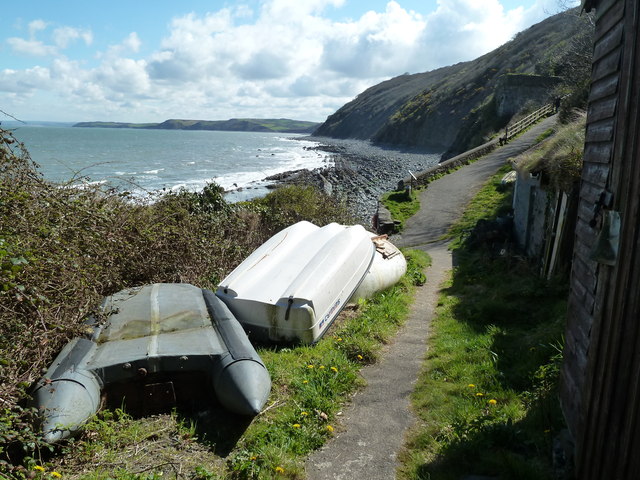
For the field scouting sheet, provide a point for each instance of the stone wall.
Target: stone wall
(514, 91)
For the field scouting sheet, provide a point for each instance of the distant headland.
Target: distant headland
(278, 125)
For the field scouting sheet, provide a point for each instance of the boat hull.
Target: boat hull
(388, 266)
(154, 331)
(293, 286)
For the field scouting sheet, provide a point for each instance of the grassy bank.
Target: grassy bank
(401, 204)
(310, 386)
(64, 247)
(486, 398)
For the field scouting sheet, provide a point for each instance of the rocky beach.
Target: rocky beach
(359, 172)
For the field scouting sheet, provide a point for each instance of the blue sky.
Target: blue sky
(146, 61)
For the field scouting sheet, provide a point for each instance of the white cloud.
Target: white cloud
(63, 36)
(286, 59)
(123, 76)
(35, 26)
(377, 45)
(460, 30)
(32, 48)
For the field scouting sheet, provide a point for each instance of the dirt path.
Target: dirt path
(373, 425)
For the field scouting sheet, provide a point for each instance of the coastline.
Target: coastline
(358, 172)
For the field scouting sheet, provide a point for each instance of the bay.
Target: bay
(140, 161)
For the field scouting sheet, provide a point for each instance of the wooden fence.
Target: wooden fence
(512, 130)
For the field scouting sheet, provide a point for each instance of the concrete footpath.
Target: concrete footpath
(371, 430)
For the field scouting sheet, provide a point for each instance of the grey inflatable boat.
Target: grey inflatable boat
(150, 332)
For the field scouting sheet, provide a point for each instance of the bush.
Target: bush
(65, 246)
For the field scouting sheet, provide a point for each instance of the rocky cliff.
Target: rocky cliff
(458, 107)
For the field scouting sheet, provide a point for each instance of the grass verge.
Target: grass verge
(64, 247)
(401, 204)
(310, 386)
(486, 397)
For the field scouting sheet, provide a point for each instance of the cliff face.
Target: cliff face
(513, 92)
(438, 109)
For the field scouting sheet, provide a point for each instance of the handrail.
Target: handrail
(511, 131)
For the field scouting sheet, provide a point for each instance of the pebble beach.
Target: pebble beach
(359, 172)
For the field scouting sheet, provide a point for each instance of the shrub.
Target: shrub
(65, 246)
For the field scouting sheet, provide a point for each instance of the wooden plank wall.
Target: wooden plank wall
(585, 273)
(602, 363)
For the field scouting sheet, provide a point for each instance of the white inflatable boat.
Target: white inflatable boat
(291, 288)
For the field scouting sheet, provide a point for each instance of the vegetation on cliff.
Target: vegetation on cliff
(459, 107)
(279, 125)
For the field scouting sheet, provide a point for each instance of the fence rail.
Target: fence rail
(515, 128)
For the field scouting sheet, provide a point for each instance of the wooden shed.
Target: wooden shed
(600, 378)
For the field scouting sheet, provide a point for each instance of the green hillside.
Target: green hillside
(281, 125)
(458, 107)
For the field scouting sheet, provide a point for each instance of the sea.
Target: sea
(143, 161)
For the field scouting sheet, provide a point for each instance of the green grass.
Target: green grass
(401, 204)
(63, 249)
(491, 201)
(486, 397)
(544, 135)
(310, 385)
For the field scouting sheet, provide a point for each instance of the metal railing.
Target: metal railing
(512, 130)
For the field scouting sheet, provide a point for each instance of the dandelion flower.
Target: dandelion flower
(309, 366)
(56, 475)
(304, 414)
(471, 385)
(329, 429)
(305, 381)
(339, 339)
(479, 394)
(296, 425)
(254, 458)
(360, 357)
(279, 470)
(321, 367)
(334, 369)
(39, 468)
(493, 401)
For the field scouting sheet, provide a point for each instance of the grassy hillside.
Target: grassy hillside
(438, 108)
(281, 125)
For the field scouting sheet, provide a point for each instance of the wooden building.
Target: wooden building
(600, 380)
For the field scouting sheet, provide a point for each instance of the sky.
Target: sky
(150, 60)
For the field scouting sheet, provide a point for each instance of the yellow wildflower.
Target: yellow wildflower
(254, 458)
(321, 367)
(479, 394)
(39, 468)
(305, 381)
(56, 475)
(329, 429)
(339, 339)
(471, 385)
(279, 470)
(334, 369)
(493, 401)
(304, 414)
(360, 357)
(309, 366)
(296, 425)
